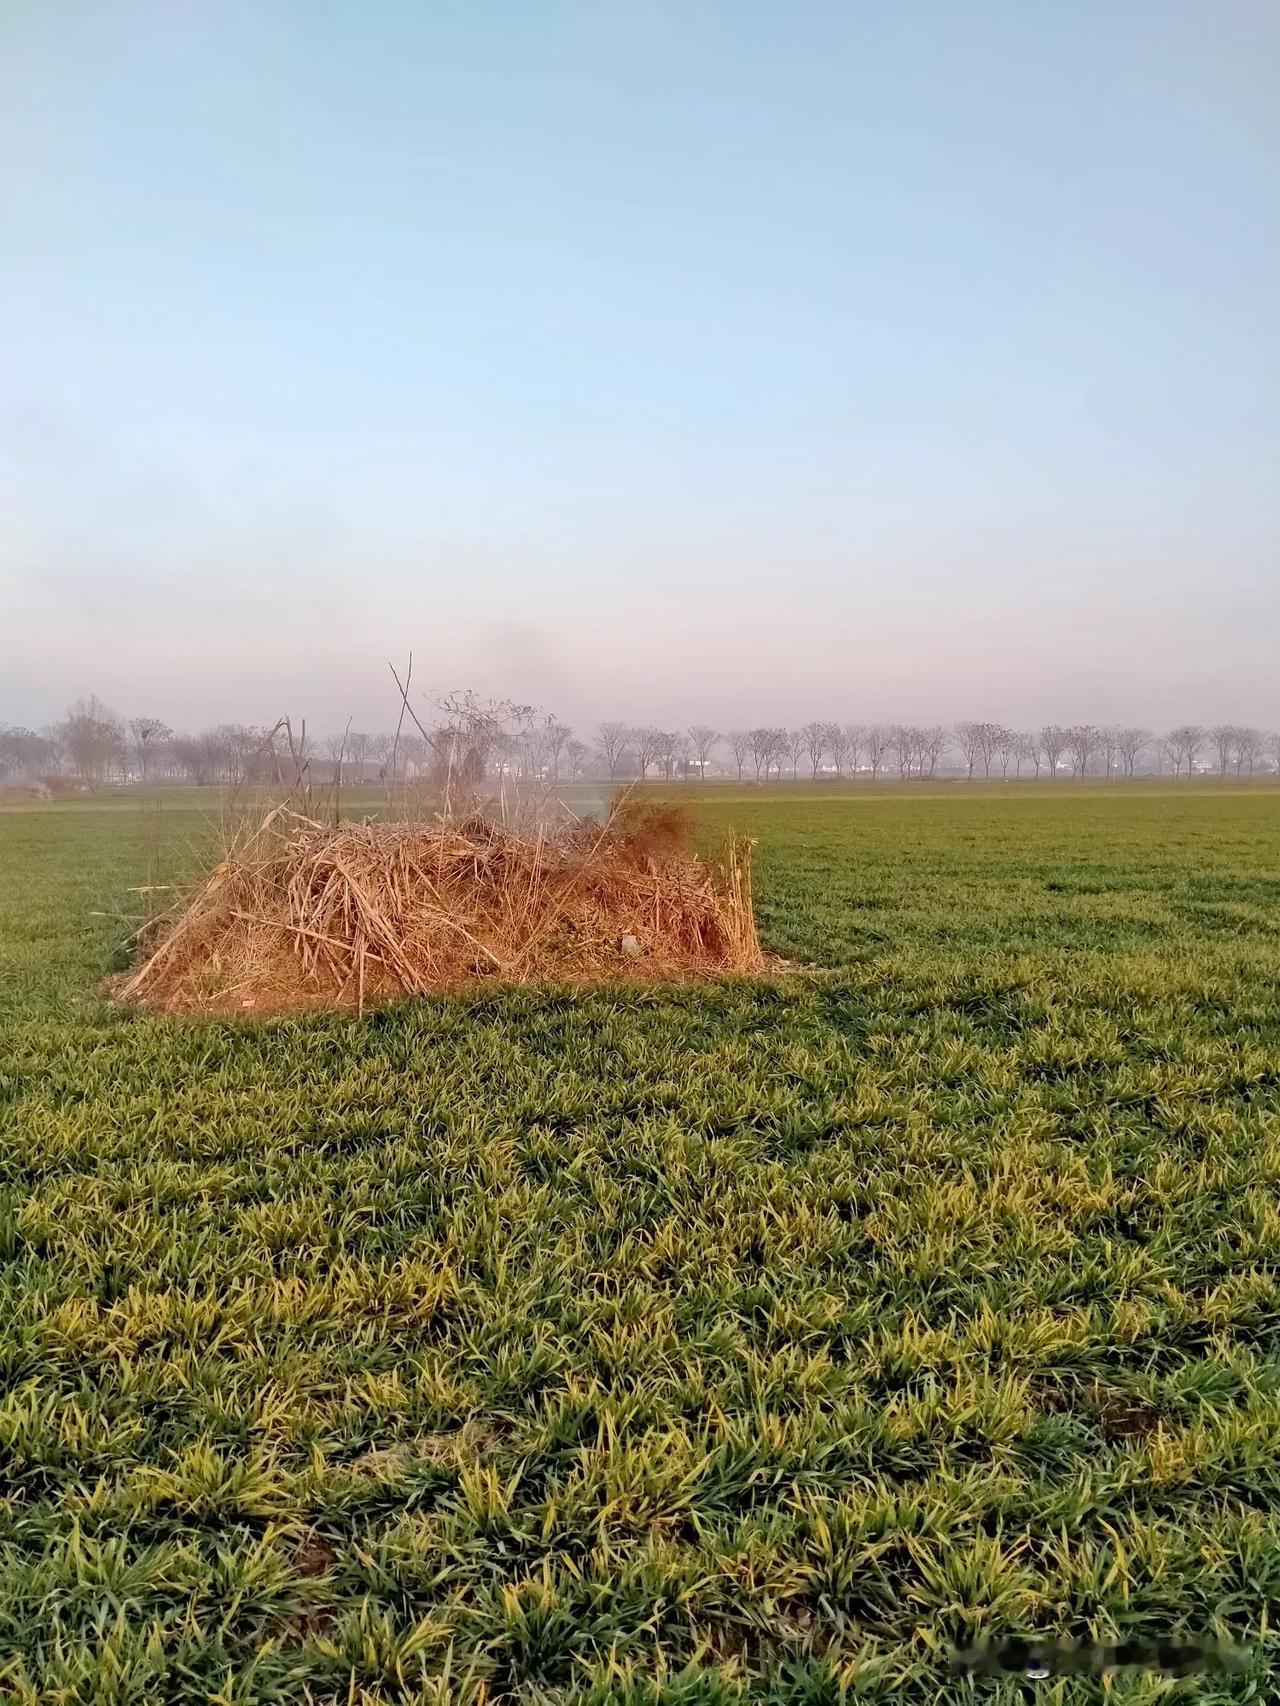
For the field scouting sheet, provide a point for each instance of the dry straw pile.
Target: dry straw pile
(302, 913)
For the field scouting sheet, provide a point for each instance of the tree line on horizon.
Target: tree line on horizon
(92, 746)
(911, 751)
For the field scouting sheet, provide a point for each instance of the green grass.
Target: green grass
(742, 1342)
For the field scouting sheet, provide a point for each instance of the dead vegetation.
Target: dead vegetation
(301, 913)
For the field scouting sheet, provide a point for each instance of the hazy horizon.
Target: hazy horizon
(429, 697)
(909, 363)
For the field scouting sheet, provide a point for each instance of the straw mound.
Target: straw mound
(308, 915)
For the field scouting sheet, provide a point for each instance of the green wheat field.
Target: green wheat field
(741, 1342)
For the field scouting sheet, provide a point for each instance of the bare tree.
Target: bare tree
(1028, 753)
(763, 741)
(148, 736)
(771, 749)
(576, 753)
(219, 745)
(1131, 743)
(417, 757)
(93, 738)
(704, 741)
(202, 756)
(1004, 744)
(1248, 745)
(505, 753)
(815, 738)
(934, 742)
(855, 741)
(557, 736)
(358, 753)
(243, 745)
(795, 745)
(901, 744)
(667, 752)
(1222, 737)
(990, 740)
(272, 759)
(647, 742)
(837, 745)
(56, 746)
(740, 746)
(335, 750)
(531, 745)
(380, 746)
(290, 752)
(187, 753)
(782, 751)
(612, 740)
(1183, 744)
(26, 753)
(780, 754)
(1053, 743)
(969, 740)
(1083, 741)
(541, 737)
(875, 743)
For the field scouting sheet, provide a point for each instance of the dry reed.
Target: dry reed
(304, 914)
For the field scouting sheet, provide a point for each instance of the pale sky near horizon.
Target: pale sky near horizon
(729, 361)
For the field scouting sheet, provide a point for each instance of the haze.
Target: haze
(738, 362)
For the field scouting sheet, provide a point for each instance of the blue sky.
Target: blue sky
(727, 361)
